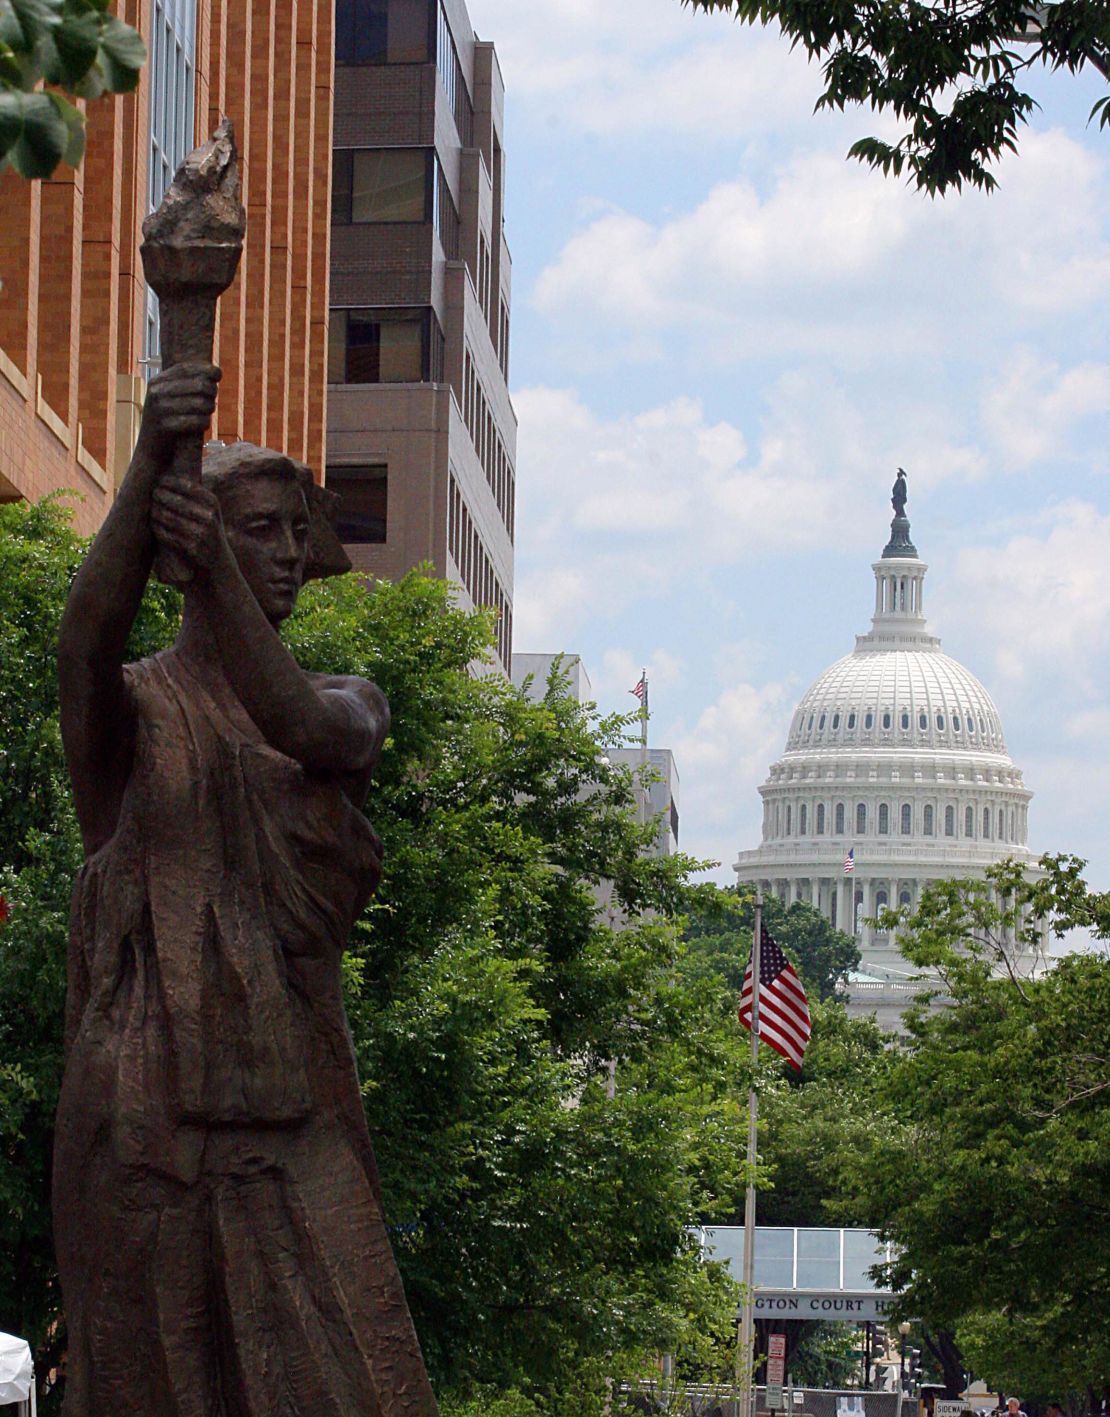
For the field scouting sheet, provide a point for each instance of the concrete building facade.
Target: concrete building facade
(421, 430)
(895, 754)
(78, 328)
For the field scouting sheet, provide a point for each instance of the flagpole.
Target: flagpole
(745, 1353)
(643, 747)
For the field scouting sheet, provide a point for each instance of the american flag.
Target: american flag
(850, 861)
(641, 688)
(783, 1006)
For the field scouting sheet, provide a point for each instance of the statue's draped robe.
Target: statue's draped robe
(212, 1160)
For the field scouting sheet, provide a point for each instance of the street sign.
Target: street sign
(945, 1407)
(776, 1369)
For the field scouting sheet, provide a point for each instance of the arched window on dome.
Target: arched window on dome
(1013, 825)
(852, 719)
(869, 719)
(904, 898)
(923, 721)
(836, 721)
(956, 723)
(861, 818)
(884, 819)
(820, 819)
(1001, 825)
(788, 819)
(821, 724)
(802, 815)
(986, 823)
(905, 719)
(940, 721)
(969, 822)
(971, 725)
(950, 821)
(907, 819)
(886, 719)
(882, 900)
(839, 819)
(927, 819)
(809, 725)
(982, 725)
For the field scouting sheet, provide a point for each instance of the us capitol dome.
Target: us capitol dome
(895, 754)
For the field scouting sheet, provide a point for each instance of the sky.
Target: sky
(726, 338)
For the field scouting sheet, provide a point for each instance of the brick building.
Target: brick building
(78, 328)
(421, 431)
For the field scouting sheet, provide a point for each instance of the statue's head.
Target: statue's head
(277, 521)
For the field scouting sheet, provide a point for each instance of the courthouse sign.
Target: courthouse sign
(831, 1305)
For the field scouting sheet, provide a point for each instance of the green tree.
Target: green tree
(952, 71)
(541, 1200)
(76, 46)
(993, 1182)
(720, 941)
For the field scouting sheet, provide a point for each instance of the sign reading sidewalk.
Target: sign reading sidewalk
(945, 1407)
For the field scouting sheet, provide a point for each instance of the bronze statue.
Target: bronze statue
(217, 1214)
(898, 494)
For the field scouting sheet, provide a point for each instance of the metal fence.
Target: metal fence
(699, 1401)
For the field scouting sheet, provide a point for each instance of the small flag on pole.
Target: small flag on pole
(850, 861)
(641, 688)
(783, 1006)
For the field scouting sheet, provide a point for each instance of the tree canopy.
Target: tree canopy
(993, 1176)
(953, 72)
(79, 48)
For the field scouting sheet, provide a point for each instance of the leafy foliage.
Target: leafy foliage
(77, 46)
(952, 71)
(993, 1179)
(554, 1105)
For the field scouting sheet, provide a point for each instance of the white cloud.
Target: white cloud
(621, 68)
(1033, 410)
(835, 260)
(1040, 606)
(719, 757)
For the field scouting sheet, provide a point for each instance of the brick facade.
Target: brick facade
(73, 296)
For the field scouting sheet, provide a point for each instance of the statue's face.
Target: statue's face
(266, 521)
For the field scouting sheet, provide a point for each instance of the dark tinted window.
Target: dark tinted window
(363, 501)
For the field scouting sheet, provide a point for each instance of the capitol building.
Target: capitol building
(895, 754)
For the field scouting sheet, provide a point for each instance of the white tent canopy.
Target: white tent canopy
(17, 1372)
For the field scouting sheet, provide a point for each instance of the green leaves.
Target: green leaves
(73, 45)
(951, 73)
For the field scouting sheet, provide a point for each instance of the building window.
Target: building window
(923, 721)
(861, 818)
(950, 821)
(1001, 825)
(173, 39)
(851, 720)
(940, 721)
(927, 820)
(388, 346)
(884, 819)
(881, 900)
(869, 721)
(821, 724)
(820, 819)
(363, 501)
(986, 823)
(382, 32)
(905, 720)
(788, 819)
(903, 898)
(451, 77)
(969, 822)
(802, 819)
(956, 722)
(907, 819)
(840, 819)
(382, 184)
(886, 719)
(445, 215)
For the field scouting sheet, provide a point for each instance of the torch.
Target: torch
(191, 249)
